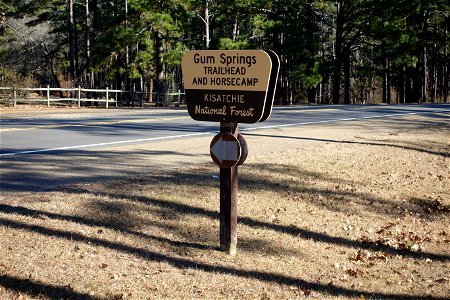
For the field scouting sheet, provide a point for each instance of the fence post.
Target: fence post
(15, 97)
(48, 96)
(107, 96)
(79, 96)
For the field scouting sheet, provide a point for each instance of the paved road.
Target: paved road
(59, 132)
(51, 150)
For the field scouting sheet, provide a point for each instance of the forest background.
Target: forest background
(343, 51)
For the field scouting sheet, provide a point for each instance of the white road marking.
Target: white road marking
(342, 120)
(108, 143)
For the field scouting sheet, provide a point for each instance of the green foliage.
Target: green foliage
(262, 24)
(230, 44)
(306, 77)
(6, 8)
(174, 54)
(314, 38)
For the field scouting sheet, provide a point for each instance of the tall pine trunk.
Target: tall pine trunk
(385, 80)
(87, 38)
(71, 41)
(346, 65)
(338, 55)
(159, 67)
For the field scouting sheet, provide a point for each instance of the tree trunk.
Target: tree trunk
(312, 95)
(95, 16)
(338, 55)
(409, 85)
(71, 41)
(159, 67)
(150, 93)
(425, 78)
(87, 38)
(235, 28)
(401, 86)
(417, 82)
(206, 20)
(346, 64)
(281, 90)
(385, 80)
(127, 54)
(388, 82)
(446, 64)
(446, 78)
(76, 51)
(55, 77)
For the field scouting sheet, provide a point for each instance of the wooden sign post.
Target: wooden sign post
(228, 199)
(230, 87)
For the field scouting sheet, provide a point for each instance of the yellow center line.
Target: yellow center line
(90, 124)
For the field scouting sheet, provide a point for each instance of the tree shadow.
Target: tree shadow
(40, 289)
(292, 183)
(385, 143)
(431, 207)
(117, 217)
(254, 182)
(166, 207)
(180, 208)
(47, 171)
(182, 263)
(112, 223)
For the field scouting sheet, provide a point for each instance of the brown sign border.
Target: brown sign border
(240, 104)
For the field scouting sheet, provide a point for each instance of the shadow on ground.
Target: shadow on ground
(63, 176)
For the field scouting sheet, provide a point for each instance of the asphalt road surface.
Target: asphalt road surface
(41, 151)
(58, 132)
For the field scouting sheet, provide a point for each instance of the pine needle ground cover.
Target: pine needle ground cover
(345, 213)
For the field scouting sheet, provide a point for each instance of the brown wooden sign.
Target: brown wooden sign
(230, 87)
(227, 85)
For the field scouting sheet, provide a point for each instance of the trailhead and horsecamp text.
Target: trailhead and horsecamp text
(234, 65)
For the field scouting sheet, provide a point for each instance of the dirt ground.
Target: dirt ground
(345, 212)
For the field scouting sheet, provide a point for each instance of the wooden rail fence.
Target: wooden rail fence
(79, 95)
